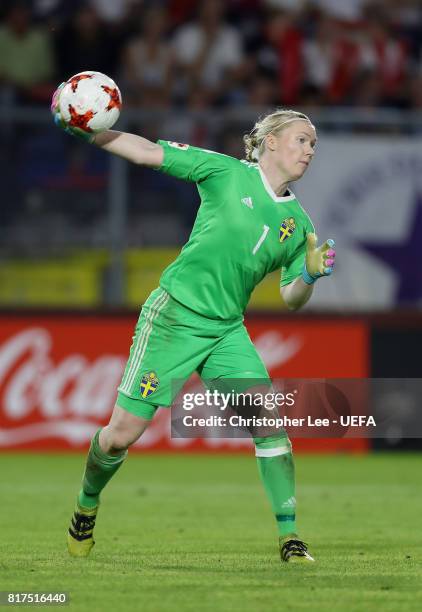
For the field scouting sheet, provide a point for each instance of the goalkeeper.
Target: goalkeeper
(249, 223)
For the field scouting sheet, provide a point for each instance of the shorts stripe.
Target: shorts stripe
(143, 337)
(156, 307)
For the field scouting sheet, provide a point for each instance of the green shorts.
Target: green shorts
(170, 343)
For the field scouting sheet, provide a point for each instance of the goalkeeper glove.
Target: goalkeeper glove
(61, 123)
(319, 261)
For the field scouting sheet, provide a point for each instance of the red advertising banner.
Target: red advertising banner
(59, 375)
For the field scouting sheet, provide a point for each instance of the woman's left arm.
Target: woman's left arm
(295, 294)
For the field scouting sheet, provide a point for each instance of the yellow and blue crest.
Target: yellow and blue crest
(149, 384)
(287, 228)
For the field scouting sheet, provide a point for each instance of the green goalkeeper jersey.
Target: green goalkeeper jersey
(242, 231)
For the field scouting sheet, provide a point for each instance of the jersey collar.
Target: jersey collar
(271, 192)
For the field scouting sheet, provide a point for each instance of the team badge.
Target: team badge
(149, 384)
(178, 145)
(287, 228)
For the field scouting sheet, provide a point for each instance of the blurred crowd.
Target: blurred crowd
(214, 53)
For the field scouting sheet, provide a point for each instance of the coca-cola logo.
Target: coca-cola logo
(69, 398)
(71, 387)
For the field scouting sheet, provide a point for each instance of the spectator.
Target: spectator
(285, 5)
(331, 61)
(48, 10)
(85, 43)
(311, 96)
(26, 57)
(343, 10)
(381, 53)
(147, 63)
(367, 90)
(189, 125)
(406, 16)
(181, 11)
(113, 11)
(209, 53)
(415, 92)
(261, 92)
(286, 40)
(247, 17)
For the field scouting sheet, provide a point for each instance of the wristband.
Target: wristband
(308, 278)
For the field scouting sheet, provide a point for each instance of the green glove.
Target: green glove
(319, 261)
(61, 123)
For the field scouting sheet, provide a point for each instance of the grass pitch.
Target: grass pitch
(195, 533)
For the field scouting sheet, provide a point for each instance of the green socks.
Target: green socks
(276, 468)
(100, 467)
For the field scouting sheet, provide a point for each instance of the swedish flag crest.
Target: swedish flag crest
(287, 228)
(149, 384)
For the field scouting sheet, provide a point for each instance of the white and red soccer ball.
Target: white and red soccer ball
(90, 101)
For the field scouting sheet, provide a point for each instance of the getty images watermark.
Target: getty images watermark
(239, 402)
(308, 408)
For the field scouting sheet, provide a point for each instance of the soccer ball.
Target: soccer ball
(90, 101)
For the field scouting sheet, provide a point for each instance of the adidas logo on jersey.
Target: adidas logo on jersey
(247, 202)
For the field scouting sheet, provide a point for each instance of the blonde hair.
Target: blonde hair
(272, 123)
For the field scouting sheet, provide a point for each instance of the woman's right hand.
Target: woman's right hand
(61, 123)
(54, 107)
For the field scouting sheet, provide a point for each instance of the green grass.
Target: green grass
(193, 533)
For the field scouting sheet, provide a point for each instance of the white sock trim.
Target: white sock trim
(272, 452)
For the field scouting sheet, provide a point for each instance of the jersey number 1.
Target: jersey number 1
(261, 239)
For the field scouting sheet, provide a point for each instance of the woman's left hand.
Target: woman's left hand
(319, 261)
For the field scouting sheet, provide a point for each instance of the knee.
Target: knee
(116, 440)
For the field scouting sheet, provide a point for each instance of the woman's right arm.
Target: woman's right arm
(129, 146)
(134, 148)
